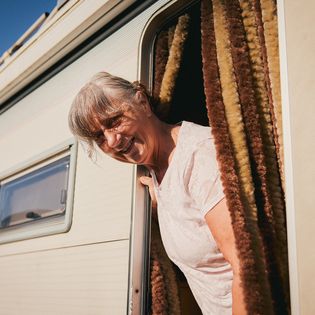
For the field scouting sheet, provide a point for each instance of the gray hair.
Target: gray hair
(103, 96)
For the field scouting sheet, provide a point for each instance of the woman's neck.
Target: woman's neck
(167, 136)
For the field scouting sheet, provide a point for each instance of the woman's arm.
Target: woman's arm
(220, 225)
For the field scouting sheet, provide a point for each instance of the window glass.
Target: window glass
(39, 194)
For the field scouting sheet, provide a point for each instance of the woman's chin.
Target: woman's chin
(133, 158)
(137, 160)
(137, 155)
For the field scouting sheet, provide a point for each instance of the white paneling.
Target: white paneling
(299, 109)
(82, 280)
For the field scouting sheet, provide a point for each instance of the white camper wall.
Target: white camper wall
(84, 271)
(297, 40)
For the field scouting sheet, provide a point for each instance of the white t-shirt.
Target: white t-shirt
(190, 188)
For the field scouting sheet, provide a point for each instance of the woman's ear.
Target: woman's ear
(142, 99)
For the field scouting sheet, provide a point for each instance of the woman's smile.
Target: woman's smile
(128, 146)
(134, 151)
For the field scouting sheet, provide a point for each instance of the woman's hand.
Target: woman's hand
(148, 181)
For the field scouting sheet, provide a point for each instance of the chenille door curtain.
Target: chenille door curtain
(241, 86)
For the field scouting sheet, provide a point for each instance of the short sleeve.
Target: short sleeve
(205, 187)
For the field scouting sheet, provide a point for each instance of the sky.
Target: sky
(16, 16)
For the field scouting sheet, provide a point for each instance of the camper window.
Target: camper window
(36, 197)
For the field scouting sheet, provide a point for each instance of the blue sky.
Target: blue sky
(16, 16)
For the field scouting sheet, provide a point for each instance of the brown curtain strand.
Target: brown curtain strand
(160, 60)
(159, 304)
(238, 136)
(254, 296)
(270, 29)
(266, 107)
(173, 65)
(240, 108)
(245, 81)
(263, 100)
(165, 296)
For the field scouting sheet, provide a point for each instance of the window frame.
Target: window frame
(50, 225)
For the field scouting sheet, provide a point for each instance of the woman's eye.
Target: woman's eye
(115, 123)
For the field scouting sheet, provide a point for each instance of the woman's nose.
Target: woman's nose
(112, 138)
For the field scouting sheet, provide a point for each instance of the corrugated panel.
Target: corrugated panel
(78, 280)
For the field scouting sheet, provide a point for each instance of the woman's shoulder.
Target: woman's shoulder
(196, 147)
(201, 169)
(194, 136)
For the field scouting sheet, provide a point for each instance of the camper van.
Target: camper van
(76, 231)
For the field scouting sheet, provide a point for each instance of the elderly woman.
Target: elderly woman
(195, 224)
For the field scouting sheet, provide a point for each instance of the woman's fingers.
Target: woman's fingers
(148, 181)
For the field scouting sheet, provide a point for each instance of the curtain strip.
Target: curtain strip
(173, 65)
(256, 10)
(238, 137)
(159, 304)
(160, 60)
(257, 53)
(271, 152)
(270, 25)
(171, 32)
(244, 80)
(165, 295)
(216, 113)
(232, 104)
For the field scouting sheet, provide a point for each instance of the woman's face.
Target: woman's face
(128, 136)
